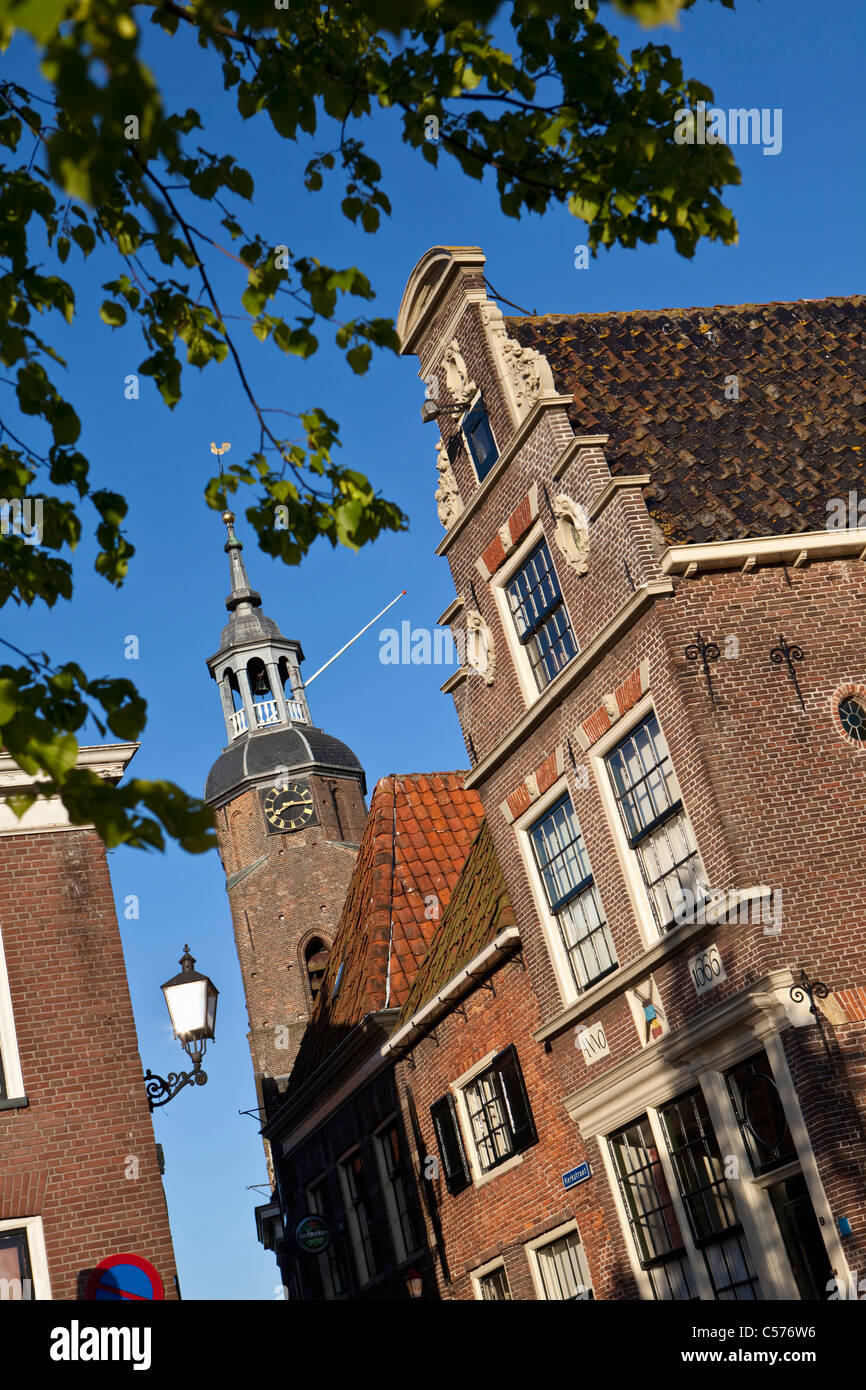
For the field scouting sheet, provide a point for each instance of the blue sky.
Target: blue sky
(801, 218)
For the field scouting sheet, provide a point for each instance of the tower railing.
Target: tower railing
(266, 712)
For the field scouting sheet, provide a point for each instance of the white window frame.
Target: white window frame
(751, 1200)
(365, 1275)
(36, 1252)
(490, 1268)
(400, 1250)
(479, 1177)
(568, 990)
(627, 857)
(534, 1247)
(8, 1039)
(498, 583)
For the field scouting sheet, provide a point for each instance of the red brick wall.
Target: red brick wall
(64, 1156)
(497, 1218)
(297, 893)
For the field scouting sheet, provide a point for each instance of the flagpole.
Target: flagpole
(310, 680)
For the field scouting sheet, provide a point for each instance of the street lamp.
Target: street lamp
(414, 1283)
(191, 999)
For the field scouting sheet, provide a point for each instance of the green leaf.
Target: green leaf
(112, 314)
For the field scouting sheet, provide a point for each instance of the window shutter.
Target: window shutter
(507, 1066)
(444, 1117)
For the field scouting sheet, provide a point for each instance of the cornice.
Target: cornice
(795, 549)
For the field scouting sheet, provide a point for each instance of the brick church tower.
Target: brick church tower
(290, 811)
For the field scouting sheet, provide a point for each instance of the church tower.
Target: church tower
(290, 812)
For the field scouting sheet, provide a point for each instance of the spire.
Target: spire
(242, 592)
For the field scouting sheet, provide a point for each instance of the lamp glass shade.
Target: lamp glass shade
(187, 1006)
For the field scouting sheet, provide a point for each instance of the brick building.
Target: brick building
(79, 1173)
(664, 706)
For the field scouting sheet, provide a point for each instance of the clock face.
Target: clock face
(289, 806)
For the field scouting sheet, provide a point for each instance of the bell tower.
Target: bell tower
(290, 812)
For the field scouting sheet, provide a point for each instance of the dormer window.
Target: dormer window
(479, 438)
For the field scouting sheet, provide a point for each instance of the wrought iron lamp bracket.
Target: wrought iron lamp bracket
(789, 655)
(705, 652)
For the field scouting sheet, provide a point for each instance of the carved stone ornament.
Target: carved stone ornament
(524, 372)
(572, 531)
(457, 374)
(448, 501)
(479, 646)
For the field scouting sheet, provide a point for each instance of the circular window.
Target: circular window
(848, 712)
(853, 718)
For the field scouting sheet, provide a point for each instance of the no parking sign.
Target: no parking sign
(124, 1277)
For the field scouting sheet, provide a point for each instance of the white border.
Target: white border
(628, 861)
(532, 1248)
(36, 1250)
(479, 1177)
(568, 990)
(476, 1275)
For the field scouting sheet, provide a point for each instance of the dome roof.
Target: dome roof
(300, 748)
(248, 625)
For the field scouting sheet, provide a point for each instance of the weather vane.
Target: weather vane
(219, 448)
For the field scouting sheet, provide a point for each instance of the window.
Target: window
(498, 1109)
(493, 1286)
(497, 1117)
(11, 1079)
(332, 1264)
(651, 1215)
(542, 624)
(853, 718)
(353, 1175)
(315, 962)
(656, 826)
(760, 1114)
(479, 437)
(571, 894)
(699, 1170)
(23, 1262)
(16, 1280)
(399, 1195)
(563, 1269)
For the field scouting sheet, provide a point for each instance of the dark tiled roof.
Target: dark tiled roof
(418, 834)
(479, 909)
(297, 749)
(764, 464)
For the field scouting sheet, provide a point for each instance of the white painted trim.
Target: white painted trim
(568, 990)
(640, 1275)
(425, 1015)
(751, 1204)
(36, 1251)
(497, 582)
(775, 1051)
(476, 1275)
(517, 650)
(715, 555)
(480, 1178)
(533, 1247)
(8, 1038)
(628, 860)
